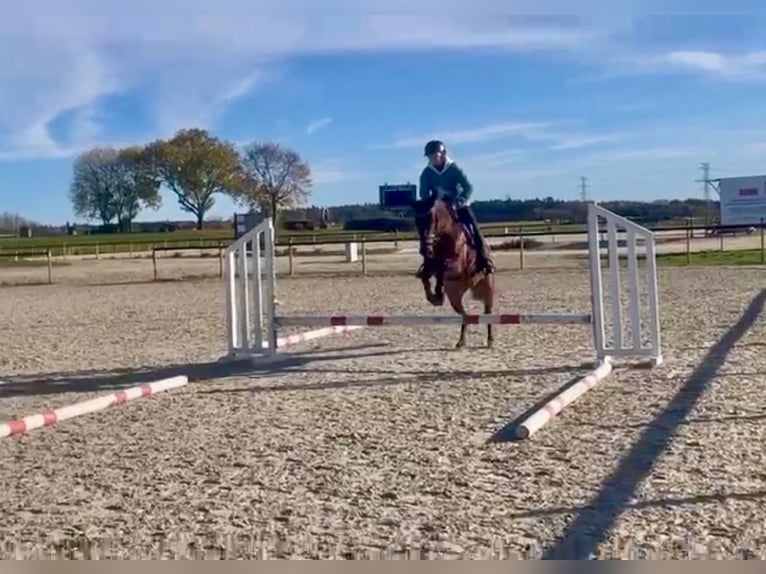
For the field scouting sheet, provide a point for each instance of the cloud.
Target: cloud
(472, 135)
(179, 66)
(317, 125)
(497, 159)
(644, 156)
(186, 67)
(563, 142)
(751, 65)
(330, 171)
(553, 135)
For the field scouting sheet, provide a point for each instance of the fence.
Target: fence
(370, 254)
(29, 260)
(157, 250)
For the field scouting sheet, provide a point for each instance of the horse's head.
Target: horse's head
(440, 227)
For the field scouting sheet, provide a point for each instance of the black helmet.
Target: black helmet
(435, 146)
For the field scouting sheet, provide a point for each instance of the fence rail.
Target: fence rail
(165, 249)
(684, 245)
(65, 248)
(17, 257)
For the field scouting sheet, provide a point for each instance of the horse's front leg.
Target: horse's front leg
(436, 298)
(439, 289)
(455, 292)
(490, 336)
(426, 280)
(431, 297)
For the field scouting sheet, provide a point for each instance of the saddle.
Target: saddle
(469, 235)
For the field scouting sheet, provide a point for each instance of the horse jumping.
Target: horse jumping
(452, 259)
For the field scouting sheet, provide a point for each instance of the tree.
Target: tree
(195, 166)
(111, 183)
(92, 185)
(274, 178)
(138, 186)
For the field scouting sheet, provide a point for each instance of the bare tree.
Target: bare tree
(274, 178)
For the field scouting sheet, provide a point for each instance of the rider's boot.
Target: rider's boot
(484, 263)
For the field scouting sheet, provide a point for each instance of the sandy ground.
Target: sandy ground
(377, 443)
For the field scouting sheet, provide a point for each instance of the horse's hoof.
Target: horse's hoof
(460, 344)
(436, 300)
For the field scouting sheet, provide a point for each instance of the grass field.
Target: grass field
(126, 242)
(212, 238)
(712, 258)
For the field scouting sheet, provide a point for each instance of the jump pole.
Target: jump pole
(50, 417)
(298, 338)
(409, 320)
(535, 421)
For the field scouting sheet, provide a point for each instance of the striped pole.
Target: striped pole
(51, 417)
(553, 407)
(292, 340)
(387, 320)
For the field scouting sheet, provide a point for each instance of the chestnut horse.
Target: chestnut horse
(450, 256)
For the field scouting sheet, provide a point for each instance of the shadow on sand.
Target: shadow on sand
(314, 362)
(593, 522)
(212, 372)
(115, 379)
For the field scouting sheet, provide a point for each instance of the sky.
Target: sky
(526, 98)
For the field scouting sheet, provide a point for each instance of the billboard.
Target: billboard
(397, 196)
(743, 199)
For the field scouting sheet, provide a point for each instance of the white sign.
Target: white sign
(743, 200)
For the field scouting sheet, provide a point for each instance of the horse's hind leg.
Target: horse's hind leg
(487, 292)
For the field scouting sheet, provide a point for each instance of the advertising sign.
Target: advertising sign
(397, 196)
(743, 200)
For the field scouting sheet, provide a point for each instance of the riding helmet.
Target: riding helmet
(435, 146)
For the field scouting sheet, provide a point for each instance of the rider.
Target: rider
(443, 179)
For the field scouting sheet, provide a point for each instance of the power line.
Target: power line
(706, 185)
(583, 188)
(705, 167)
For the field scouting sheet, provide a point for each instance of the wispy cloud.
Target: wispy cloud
(553, 135)
(186, 67)
(643, 157)
(746, 66)
(317, 125)
(563, 142)
(330, 171)
(473, 135)
(496, 159)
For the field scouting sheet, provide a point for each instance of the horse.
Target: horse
(451, 257)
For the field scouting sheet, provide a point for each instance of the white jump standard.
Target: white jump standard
(253, 323)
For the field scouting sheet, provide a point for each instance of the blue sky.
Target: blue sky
(526, 104)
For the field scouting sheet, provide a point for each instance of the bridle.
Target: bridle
(431, 236)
